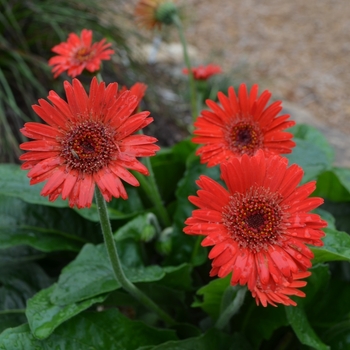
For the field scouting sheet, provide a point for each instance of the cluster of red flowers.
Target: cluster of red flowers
(260, 224)
(90, 139)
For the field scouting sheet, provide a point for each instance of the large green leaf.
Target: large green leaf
(343, 175)
(331, 186)
(15, 183)
(91, 330)
(310, 133)
(18, 283)
(135, 229)
(19, 255)
(312, 152)
(42, 239)
(298, 320)
(336, 247)
(212, 296)
(310, 157)
(317, 283)
(213, 339)
(90, 274)
(44, 317)
(338, 336)
(329, 311)
(260, 321)
(44, 228)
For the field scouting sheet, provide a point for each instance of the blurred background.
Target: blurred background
(299, 50)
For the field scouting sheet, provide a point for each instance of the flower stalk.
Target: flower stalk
(193, 92)
(117, 266)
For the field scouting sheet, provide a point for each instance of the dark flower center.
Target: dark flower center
(84, 54)
(89, 146)
(245, 137)
(254, 219)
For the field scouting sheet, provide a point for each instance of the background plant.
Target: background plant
(58, 291)
(28, 31)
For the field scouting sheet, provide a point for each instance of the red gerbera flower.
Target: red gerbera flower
(88, 140)
(138, 89)
(273, 293)
(241, 125)
(78, 54)
(204, 72)
(259, 226)
(152, 13)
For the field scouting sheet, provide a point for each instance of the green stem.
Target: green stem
(193, 91)
(197, 244)
(99, 77)
(149, 185)
(116, 264)
(152, 219)
(232, 308)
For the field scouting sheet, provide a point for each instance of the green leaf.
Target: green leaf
(91, 330)
(213, 339)
(15, 183)
(341, 213)
(133, 229)
(327, 216)
(19, 255)
(338, 336)
(260, 321)
(168, 169)
(331, 306)
(336, 247)
(182, 244)
(302, 328)
(343, 175)
(212, 296)
(36, 237)
(309, 133)
(317, 283)
(310, 157)
(44, 317)
(10, 320)
(177, 277)
(90, 274)
(331, 186)
(45, 228)
(18, 283)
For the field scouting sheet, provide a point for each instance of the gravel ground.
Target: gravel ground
(299, 50)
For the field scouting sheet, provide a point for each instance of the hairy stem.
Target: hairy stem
(116, 264)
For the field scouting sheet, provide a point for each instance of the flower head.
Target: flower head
(259, 226)
(78, 53)
(152, 14)
(204, 72)
(138, 89)
(88, 140)
(241, 125)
